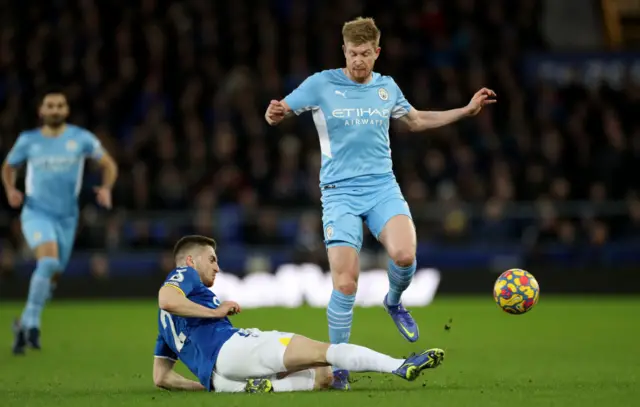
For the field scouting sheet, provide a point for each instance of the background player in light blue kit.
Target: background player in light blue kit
(351, 108)
(194, 328)
(55, 156)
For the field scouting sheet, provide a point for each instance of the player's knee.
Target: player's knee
(324, 378)
(344, 269)
(346, 285)
(403, 257)
(47, 267)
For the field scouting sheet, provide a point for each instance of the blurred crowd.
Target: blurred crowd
(176, 91)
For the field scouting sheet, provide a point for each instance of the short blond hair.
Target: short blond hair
(361, 31)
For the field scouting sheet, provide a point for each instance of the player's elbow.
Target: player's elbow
(159, 381)
(415, 125)
(7, 169)
(107, 163)
(159, 376)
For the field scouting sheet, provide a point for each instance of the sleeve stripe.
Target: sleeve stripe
(165, 357)
(174, 286)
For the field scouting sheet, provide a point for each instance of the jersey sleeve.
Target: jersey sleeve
(163, 350)
(91, 146)
(401, 106)
(19, 153)
(305, 96)
(183, 279)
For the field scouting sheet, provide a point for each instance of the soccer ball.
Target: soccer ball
(516, 291)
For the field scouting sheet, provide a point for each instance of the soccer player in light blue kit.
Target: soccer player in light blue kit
(55, 156)
(351, 108)
(193, 327)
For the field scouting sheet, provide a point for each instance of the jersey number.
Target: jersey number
(178, 339)
(178, 277)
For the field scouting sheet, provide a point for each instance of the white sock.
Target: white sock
(360, 359)
(303, 380)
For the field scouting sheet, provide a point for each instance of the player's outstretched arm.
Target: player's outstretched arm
(166, 378)
(172, 300)
(418, 120)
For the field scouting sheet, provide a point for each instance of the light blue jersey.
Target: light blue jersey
(352, 120)
(356, 176)
(55, 167)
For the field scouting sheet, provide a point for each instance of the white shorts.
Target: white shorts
(252, 354)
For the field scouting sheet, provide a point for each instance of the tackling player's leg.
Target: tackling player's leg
(268, 354)
(303, 353)
(39, 232)
(390, 220)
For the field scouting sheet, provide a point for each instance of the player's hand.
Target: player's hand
(228, 308)
(480, 100)
(15, 197)
(103, 196)
(275, 113)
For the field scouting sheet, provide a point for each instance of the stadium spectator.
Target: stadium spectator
(176, 90)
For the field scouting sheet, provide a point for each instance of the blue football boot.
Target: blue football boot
(415, 364)
(341, 380)
(403, 320)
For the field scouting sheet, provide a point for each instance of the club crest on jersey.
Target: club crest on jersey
(72, 145)
(384, 95)
(329, 232)
(37, 236)
(216, 301)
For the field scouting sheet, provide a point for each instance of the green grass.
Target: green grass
(566, 352)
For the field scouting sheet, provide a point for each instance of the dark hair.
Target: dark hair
(51, 90)
(190, 241)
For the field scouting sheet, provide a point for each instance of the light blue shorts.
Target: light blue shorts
(345, 208)
(39, 227)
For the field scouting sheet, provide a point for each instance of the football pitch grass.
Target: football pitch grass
(568, 351)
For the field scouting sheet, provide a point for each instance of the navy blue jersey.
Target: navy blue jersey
(196, 342)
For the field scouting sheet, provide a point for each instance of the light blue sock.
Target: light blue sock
(399, 280)
(39, 291)
(340, 316)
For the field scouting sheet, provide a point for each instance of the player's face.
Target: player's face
(207, 266)
(360, 59)
(54, 110)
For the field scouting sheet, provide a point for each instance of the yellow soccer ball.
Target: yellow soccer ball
(516, 291)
